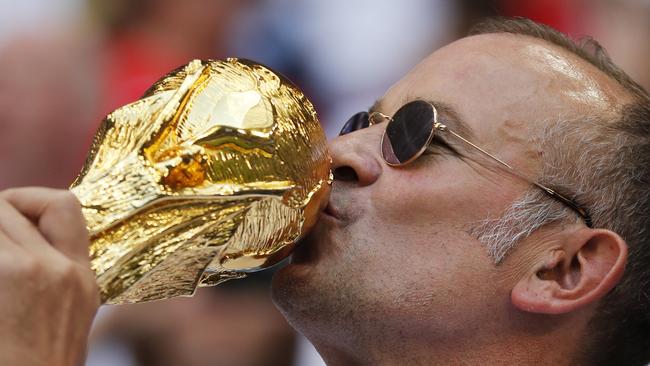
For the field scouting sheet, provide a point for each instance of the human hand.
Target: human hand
(48, 293)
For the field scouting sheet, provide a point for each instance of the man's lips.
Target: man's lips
(309, 249)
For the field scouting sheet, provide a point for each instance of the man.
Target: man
(519, 236)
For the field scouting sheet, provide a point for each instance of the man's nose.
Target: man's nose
(355, 157)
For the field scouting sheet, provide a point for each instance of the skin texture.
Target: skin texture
(390, 275)
(49, 296)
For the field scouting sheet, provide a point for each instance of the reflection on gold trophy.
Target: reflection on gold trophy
(217, 170)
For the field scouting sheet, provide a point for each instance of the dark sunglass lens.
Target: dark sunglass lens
(408, 133)
(356, 122)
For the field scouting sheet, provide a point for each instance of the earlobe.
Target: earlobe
(586, 265)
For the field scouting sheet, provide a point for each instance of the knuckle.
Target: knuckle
(87, 275)
(9, 192)
(28, 268)
(87, 284)
(65, 200)
(3, 203)
(68, 273)
(73, 274)
(63, 214)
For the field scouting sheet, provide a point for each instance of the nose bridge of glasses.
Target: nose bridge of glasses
(377, 117)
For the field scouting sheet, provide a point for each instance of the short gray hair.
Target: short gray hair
(526, 215)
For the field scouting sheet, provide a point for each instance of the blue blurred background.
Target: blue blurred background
(64, 64)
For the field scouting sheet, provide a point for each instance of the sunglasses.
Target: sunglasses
(409, 133)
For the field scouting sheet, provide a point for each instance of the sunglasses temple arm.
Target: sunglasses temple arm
(444, 128)
(548, 191)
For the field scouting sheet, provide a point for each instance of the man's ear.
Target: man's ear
(583, 268)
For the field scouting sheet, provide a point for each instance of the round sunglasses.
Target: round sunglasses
(409, 132)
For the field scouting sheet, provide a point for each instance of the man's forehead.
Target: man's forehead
(506, 89)
(519, 75)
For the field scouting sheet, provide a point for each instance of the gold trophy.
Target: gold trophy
(216, 171)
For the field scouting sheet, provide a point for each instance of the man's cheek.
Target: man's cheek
(407, 205)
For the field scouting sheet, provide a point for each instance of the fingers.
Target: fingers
(19, 230)
(48, 292)
(6, 243)
(58, 217)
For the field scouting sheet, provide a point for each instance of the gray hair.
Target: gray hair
(592, 160)
(525, 216)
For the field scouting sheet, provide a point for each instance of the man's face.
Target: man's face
(392, 253)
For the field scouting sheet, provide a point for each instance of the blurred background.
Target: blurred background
(65, 64)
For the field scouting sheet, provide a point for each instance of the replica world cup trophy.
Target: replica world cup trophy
(216, 171)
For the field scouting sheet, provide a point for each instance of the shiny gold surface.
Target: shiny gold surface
(217, 170)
